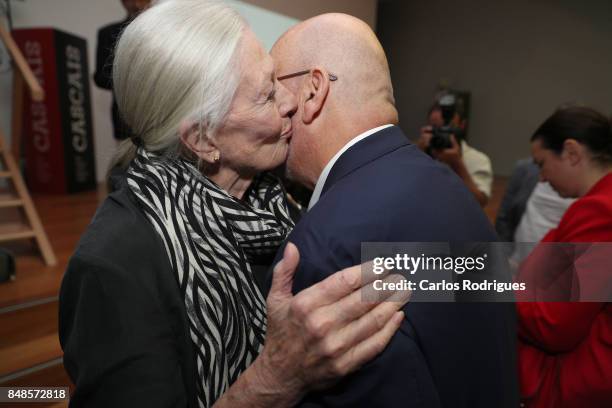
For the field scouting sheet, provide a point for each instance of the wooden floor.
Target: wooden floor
(64, 217)
(30, 354)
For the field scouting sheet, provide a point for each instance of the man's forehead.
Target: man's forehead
(284, 53)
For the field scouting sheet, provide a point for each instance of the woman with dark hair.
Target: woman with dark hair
(565, 349)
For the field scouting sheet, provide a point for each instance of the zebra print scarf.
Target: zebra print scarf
(211, 240)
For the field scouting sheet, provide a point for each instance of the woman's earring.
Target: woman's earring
(216, 157)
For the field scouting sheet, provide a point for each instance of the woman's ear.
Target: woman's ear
(314, 93)
(196, 141)
(573, 151)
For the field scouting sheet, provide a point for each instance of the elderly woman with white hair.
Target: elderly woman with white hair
(160, 305)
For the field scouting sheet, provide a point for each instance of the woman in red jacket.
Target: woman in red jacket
(565, 349)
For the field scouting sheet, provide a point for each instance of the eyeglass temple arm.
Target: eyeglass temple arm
(332, 77)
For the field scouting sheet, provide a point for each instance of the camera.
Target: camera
(441, 136)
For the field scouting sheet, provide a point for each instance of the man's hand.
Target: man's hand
(454, 158)
(451, 156)
(324, 332)
(424, 138)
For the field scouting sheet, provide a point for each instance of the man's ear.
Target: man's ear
(196, 141)
(315, 91)
(573, 151)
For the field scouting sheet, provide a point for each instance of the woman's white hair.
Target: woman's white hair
(176, 61)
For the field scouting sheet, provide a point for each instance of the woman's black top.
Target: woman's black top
(122, 321)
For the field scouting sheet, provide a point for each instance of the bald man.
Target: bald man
(371, 185)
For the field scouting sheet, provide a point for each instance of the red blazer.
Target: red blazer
(565, 349)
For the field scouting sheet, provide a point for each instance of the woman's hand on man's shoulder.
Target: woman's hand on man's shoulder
(324, 332)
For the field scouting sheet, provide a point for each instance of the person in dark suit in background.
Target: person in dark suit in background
(107, 38)
(524, 179)
(372, 185)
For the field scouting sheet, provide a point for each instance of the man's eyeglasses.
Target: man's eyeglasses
(332, 77)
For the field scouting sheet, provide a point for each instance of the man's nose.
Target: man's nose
(287, 101)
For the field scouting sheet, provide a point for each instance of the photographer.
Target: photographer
(444, 139)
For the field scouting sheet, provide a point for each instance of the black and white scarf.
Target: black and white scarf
(211, 240)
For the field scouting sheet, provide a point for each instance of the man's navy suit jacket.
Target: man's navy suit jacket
(384, 189)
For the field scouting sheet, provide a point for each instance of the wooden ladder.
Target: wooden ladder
(9, 171)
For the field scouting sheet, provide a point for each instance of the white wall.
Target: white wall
(520, 59)
(268, 25)
(84, 18)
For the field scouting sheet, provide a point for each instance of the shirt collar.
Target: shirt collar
(316, 194)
